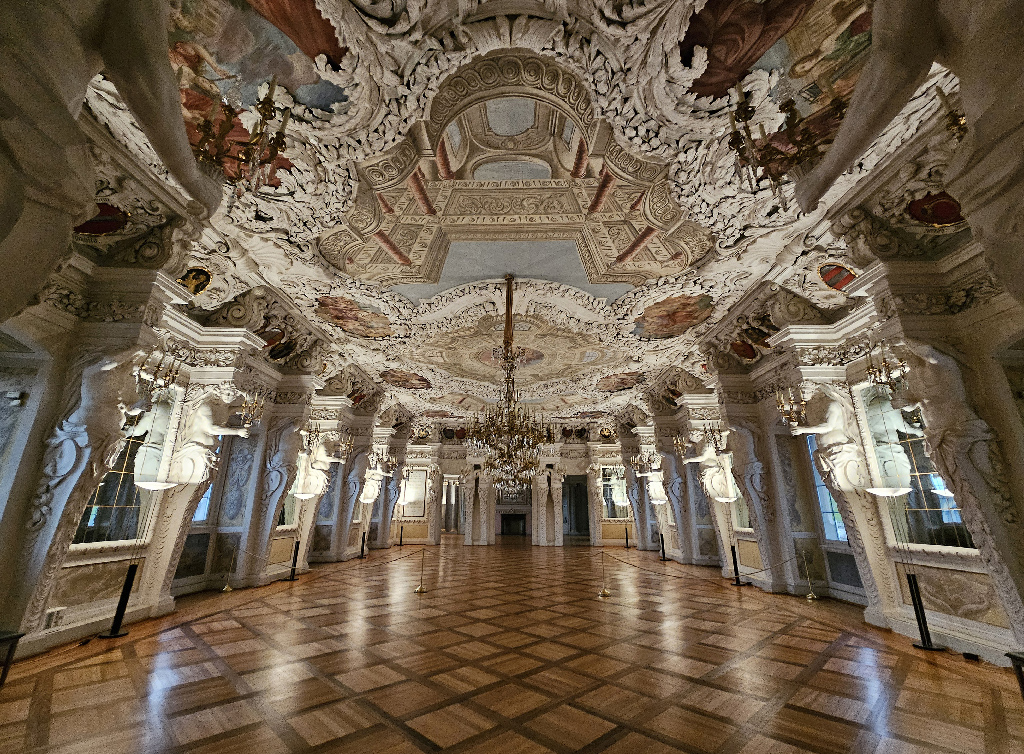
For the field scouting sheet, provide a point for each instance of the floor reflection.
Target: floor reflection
(509, 650)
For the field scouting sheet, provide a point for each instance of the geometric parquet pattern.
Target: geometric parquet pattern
(509, 652)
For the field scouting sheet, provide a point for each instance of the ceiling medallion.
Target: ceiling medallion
(507, 435)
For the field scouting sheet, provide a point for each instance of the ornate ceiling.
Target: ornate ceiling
(582, 146)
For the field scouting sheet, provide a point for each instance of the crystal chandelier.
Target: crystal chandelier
(507, 435)
(255, 158)
(776, 155)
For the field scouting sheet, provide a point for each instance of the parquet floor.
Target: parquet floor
(510, 651)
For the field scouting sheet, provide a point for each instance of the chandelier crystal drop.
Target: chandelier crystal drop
(507, 435)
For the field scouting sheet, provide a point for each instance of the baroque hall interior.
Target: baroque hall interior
(512, 376)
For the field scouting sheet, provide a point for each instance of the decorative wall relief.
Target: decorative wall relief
(809, 559)
(962, 594)
(193, 556)
(707, 542)
(226, 555)
(783, 446)
(239, 472)
(92, 582)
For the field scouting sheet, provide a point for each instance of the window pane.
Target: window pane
(832, 522)
(740, 514)
(928, 514)
(613, 484)
(117, 508)
(203, 509)
(287, 517)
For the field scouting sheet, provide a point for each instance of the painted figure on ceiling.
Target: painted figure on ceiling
(983, 44)
(352, 318)
(673, 316)
(736, 34)
(51, 51)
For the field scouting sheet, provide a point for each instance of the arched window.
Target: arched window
(117, 509)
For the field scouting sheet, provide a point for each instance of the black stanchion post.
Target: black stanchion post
(295, 562)
(8, 640)
(627, 536)
(115, 631)
(735, 567)
(1017, 658)
(922, 620)
(401, 535)
(362, 547)
(662, 538)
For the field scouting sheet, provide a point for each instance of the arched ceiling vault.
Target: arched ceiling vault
(640, 244)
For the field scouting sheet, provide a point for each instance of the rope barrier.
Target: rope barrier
(699, 578)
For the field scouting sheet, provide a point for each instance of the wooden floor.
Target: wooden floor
(510, 650)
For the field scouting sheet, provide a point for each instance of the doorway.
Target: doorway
(513, 523)
(575, 506)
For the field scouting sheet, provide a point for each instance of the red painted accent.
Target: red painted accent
(639, 201)
(385, 204)
(108, 219)
(637, 246)
(391, 248)
(836, 276)
(938, 210)
(607, 181)
(303, 23)
(419, 190)
(444, 167)
(743, 349)
(579, 167)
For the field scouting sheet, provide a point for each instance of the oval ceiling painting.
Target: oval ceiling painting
(408, 380)
(352, 318)
(938, 210)
(613, 383)
(743, 349)
(109, 219)
(836, 276)
(673, 316)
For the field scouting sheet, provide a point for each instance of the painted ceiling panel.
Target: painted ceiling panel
(512, 170)
(511, 116)
(469, 261)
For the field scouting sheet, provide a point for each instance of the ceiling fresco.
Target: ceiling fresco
(434, 147)
(552, 353)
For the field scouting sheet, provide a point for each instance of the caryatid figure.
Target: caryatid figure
(51, 50)
(715, 468)
(315, 475)
(884, 423)
(982, 42)
(195, 456)
(839, 454)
